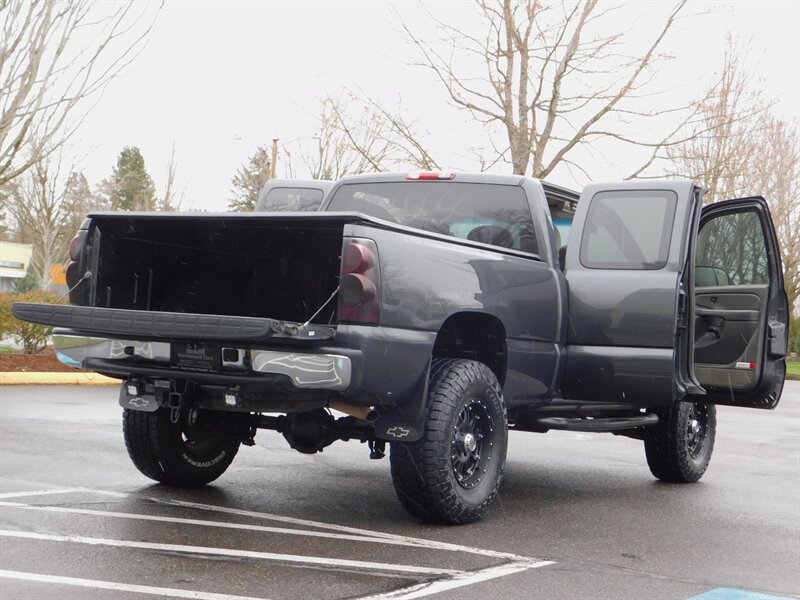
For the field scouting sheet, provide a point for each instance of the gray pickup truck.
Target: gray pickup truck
(433, 311)
(292, 195)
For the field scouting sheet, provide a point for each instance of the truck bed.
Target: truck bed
(278, 267)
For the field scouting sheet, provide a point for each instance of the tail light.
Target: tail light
(360, 283)
(77, 244)
(75, 268)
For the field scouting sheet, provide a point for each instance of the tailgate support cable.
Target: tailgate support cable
(87, 275)
(321, 308)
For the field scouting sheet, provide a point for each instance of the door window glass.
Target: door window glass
(628, 230)
(731, 251)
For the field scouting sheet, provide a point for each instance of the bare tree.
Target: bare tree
(46, 209)
(551, 76)
(401, 137)
(48, 70)
(357, 134)
(715, 145)
(343, 146)
(772, 170)
(172, 199)
(735, 147)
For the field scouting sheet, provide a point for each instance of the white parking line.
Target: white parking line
(401, 540)
(39, 493)
(447, 579)
(286, 558)
(418, 542)
(411, 542)
(457, 581)
(120, 587)
(221, 524)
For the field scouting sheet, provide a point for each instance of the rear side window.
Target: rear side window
(490, 213)
(285, 199)
(628, 230)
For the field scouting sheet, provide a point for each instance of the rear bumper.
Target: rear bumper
(365, 365)
(135, 357)
(384, 367)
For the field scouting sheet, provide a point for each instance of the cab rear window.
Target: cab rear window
(489, 213)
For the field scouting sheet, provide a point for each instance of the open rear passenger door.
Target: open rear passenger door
(670, 300)
(741, 308)
(628, 272)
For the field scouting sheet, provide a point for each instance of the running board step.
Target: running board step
(598, 424)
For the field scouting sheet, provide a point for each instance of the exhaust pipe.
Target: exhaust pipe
(365, 413)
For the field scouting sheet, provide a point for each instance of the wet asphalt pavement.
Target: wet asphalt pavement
(579, 516)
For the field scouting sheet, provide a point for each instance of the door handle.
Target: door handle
(777, 339)
(728, 315)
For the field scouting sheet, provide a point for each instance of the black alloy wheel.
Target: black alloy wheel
(679, 447)
(472, 444)
(452, 473)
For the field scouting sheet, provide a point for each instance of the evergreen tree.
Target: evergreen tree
(30, 282)
(249, 180)
(79, 201)
(130, 187)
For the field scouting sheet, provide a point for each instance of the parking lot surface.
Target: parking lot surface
(578, 516)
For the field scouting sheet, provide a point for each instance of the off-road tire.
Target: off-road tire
(176, 453)
(437, 478)
(676, 451)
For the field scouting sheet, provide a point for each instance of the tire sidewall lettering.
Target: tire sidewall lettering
(205, 464)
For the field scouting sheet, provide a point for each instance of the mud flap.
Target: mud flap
(406, 422)
(144, 401)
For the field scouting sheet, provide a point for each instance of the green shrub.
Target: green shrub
(794, 336)
(33, 337)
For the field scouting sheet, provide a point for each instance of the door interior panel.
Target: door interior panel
(741, 309)
(728, 340)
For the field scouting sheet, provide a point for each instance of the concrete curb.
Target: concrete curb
(65, 378)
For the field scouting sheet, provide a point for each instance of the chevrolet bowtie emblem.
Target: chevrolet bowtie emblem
(398, 432)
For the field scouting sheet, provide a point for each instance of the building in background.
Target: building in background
(14, 261)
(58, 280)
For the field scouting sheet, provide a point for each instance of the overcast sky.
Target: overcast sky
(218, 79)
